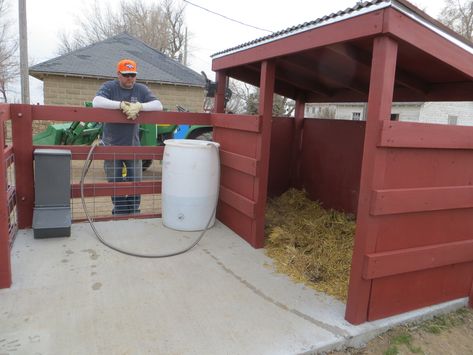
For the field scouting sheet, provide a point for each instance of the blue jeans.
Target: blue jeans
(113, 170)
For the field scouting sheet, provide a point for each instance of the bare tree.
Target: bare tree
(241, 93)
(159, 25)
(9, 68)
(458, 15)
(283, 106)
(245, 99)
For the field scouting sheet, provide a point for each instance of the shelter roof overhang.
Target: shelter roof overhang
(329, 60)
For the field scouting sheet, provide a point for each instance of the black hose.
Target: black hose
(85, 169)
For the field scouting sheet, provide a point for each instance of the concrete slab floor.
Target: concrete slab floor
(75, 296)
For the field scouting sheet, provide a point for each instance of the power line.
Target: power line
(227, 18)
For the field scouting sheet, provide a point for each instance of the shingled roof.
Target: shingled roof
(99, 61)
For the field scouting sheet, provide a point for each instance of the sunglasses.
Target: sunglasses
(129, 75)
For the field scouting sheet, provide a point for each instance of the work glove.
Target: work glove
(131, 109)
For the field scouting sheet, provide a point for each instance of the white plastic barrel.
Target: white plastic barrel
(190, 179)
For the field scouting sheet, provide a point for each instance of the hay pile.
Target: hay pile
(310, 244)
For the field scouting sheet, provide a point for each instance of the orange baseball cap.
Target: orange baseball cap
(127, 66)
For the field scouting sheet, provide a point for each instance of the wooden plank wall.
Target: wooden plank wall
(281, 160)
(424, 248)
(332, 152)
(238, 136)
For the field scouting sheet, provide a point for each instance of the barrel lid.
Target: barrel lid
(191, 143)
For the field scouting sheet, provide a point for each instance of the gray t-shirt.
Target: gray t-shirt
(123, 133)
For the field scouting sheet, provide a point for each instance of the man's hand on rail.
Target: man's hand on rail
(131, 109)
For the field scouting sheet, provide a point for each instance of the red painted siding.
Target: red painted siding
(331, 162)
(427, 195)
(5, 267)
(280, 160)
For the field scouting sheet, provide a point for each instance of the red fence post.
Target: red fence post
(219, 101)
(297, 143)
(5, 263)
(265, 109)
(22, 131)
(383, 70)
(470, 303)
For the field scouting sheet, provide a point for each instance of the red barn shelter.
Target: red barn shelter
(410, 184)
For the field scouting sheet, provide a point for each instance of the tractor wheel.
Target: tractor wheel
(202, 135)
(146, 164)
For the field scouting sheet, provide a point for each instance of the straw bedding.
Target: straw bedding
(310, 244)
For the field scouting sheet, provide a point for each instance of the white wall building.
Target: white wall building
(455, 113)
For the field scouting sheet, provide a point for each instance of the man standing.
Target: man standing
(131, 97)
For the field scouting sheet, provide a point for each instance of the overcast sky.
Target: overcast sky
(208, 33)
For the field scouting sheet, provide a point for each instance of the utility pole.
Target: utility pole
(185, 48)
(25, 84)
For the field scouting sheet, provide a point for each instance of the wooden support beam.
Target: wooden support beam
(363, 58)
(330, 71)
(265, 109)
(382, 76)
(297, 142)
(219, 103)
(309, 83)
(22, 130)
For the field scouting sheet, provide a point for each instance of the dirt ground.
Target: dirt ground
(450, 334)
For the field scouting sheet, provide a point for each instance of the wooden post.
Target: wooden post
(5, 263)
(383, 70)
(297, 142)
(470, 302)
(22, 131)
(219, 103)
(265, 110)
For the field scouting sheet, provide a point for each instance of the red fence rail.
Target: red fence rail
(24, 115)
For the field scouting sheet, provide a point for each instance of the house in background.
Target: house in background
(452, 113)
(74, 78)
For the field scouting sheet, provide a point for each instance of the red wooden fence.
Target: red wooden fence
(424, 208)
(238, 137)
(8, 223)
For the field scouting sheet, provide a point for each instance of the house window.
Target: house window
(453, 120)
(356, 116)
(394, 117)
